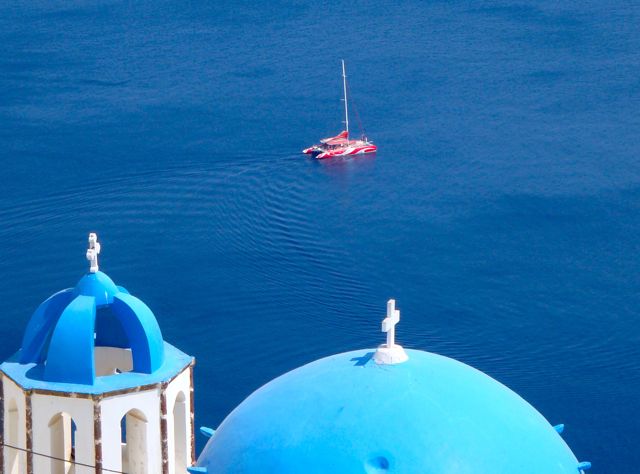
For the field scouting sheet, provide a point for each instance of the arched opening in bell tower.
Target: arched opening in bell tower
(62, 433)
(134, 443)
(112, 352)
(180, 442)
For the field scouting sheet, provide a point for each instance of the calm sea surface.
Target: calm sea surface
(502, 210)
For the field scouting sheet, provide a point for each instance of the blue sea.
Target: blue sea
(502, 209)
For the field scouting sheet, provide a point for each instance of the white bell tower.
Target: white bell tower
(95, 389)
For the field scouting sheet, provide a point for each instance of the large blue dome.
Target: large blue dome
(347, 414)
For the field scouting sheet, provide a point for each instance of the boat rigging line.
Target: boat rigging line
(353, 106)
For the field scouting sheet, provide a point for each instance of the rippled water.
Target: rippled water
(501, 210)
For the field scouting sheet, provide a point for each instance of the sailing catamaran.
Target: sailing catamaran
(341, 144)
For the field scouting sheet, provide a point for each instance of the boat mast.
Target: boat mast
(346, 107)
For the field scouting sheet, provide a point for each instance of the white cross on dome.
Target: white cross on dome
(390, 353)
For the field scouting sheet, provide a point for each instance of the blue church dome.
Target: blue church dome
(348, 414)
(93, 338)
(65, 329)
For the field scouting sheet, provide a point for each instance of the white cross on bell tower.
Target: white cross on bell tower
(390, 353)
(92, 252)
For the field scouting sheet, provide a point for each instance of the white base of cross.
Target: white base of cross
(390, 355)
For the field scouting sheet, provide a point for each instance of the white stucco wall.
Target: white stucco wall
(112, 410)
(179, 385)
(44, 408)
(108, 359)
(15, 461)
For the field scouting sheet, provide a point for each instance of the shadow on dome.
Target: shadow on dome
(363, 360)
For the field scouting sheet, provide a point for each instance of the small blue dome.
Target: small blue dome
(347, 414)
(99, 286)
(65, 329)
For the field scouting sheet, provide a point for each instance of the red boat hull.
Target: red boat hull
(350, 150)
